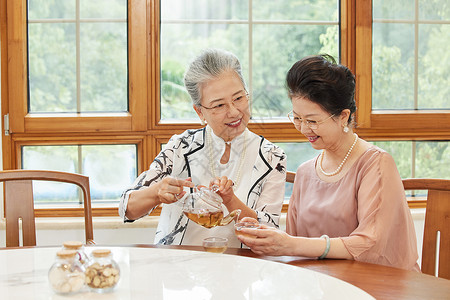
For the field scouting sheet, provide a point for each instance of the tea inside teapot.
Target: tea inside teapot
(204, 207)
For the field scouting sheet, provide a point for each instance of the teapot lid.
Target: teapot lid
(210, 197)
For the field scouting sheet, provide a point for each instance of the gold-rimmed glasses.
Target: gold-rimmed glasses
(240, 101)
(309, 123)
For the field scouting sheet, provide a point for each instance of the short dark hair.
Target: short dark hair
(321, 80)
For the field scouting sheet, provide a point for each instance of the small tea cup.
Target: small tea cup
(239, 226)
(215, 244)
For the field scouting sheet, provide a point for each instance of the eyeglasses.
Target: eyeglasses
(239, 102)
(309, 123)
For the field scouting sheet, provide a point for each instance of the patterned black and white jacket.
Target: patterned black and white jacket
(185, 155)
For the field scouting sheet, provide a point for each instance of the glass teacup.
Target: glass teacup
(215, 244)
(240, 225)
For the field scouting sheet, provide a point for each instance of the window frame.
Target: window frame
(390, 124)
(143, 124)
(23, 122)
(73, 128)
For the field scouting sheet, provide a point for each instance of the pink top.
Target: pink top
(367, 209)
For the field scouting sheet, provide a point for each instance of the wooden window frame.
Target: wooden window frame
(387, 124)
(75, 128)
(143, 125)
(23, 122)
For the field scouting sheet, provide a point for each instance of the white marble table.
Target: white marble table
(148, 273)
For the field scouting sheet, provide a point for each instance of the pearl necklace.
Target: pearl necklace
(241, 159)
(341, 164)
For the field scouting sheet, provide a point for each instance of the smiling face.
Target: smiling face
(328, 134)
(224, 90)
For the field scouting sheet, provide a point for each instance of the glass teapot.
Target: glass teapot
(204, 207)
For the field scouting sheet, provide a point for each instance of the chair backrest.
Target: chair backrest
(290, 176)
(436, 235)
(19, 203)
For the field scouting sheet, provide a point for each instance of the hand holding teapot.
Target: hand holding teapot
(204, 207)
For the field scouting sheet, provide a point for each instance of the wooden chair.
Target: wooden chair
(19, 202)
(437, 219)
(290, 176)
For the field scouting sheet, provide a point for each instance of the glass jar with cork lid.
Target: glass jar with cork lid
(66, 275)
(102, 271)
(79, 248)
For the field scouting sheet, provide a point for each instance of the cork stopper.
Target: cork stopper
(73, 245)
(101, 252)
(66, 253)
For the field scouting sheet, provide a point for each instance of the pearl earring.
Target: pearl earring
(345, 128)
(203, 122)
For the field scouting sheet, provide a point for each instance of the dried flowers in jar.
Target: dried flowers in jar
(102, 272)
(66, 275)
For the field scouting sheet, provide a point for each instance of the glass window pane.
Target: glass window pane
(276, 49)
(421, 159)
(393, 66)
(319, 10)
(434, 10)
(103, 67)
(204, 9)
(52, 67)
(105, 9)
(403, 61)
(179, 44)
(433, 70)
(77, 65)
(398, 9)
(38, 9)
(274, 29)
(111, 168)
(433, 159)
(56, 193)
(54, 158)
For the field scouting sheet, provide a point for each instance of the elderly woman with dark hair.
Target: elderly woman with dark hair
(249, 170)
(348, 202)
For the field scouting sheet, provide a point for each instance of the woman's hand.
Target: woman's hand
(229, 199)
(267, 240)
(249, 220)
(170, 189)
(225, 188)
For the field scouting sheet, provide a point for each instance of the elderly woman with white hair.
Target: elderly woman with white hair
(249, 170)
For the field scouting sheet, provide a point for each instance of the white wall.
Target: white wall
(107, 231)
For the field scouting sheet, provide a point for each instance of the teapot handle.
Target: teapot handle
(234, 215)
